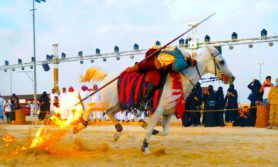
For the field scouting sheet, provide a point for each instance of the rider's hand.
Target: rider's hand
(192, 62)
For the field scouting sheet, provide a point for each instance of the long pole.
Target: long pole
(34, 47)
(158, 50)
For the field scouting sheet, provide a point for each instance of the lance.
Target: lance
(155, 52)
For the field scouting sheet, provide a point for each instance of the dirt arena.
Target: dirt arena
(94, 146)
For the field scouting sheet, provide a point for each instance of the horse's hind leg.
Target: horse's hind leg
(91, 107)
(110, 113)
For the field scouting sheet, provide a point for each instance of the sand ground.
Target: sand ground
(94, 146)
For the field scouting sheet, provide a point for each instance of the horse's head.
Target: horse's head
(218, 66)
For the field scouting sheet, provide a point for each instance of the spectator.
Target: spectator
(231, 104)
(13, 99)
(64, 93)
(209, 97)
(1, 109)
(220, 104)
(83, 94)
(244, 115)
(1, 114)
(63, 103)
(97, 115)
(2, 101)
(45, 106)
(8, 111)
(273, 102)
(131, 116)
(255, 97)
(197, 102)
(56, 107)
(15, 106)
(52, 97)
(71, 95)
(33, 108)
(265, 89)
(188, 106)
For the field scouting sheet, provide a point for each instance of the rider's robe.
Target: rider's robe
(171, 58)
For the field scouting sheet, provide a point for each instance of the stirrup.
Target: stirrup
(144, 106)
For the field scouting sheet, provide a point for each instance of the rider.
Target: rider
(169, 58)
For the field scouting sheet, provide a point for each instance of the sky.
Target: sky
(89, 24)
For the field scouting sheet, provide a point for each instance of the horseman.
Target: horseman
(170, 58)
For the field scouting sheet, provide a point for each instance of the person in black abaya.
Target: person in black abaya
(44, 106)
(220, 103)
(188, 106)
(209, 119)
(254, 97)
(15, 106)
(196, 105)
(232, 105)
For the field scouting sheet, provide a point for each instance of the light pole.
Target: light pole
(11, 82)
(34, 47)
(55, 60)
(260, 75)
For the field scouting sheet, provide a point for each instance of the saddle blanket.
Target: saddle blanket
(131, 89)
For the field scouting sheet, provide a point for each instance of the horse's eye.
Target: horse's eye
(222, 62)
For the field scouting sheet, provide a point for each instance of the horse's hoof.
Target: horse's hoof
(146, 150)
(117, 135)
(78, 128)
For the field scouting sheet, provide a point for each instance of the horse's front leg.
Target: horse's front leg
(156, 116)
(144, 124)
(110, 113)
(165, 125)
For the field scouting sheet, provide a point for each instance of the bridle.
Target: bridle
(216, 66)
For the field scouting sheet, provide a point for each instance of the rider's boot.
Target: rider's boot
(149, 91)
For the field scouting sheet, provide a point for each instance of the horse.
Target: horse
(208, 61)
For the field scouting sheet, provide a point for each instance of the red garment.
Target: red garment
(148, 67)
(153, 77)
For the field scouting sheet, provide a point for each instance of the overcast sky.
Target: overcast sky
(88, 24)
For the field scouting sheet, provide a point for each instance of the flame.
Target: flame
(9, 138)
(94, 74)
(39, 138)
(43, 138)
(68, 109)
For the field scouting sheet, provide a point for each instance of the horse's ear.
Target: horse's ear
(219, 49)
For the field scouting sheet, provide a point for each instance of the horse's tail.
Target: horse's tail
(93, 74)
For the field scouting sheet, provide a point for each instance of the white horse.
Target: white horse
(208, 61)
